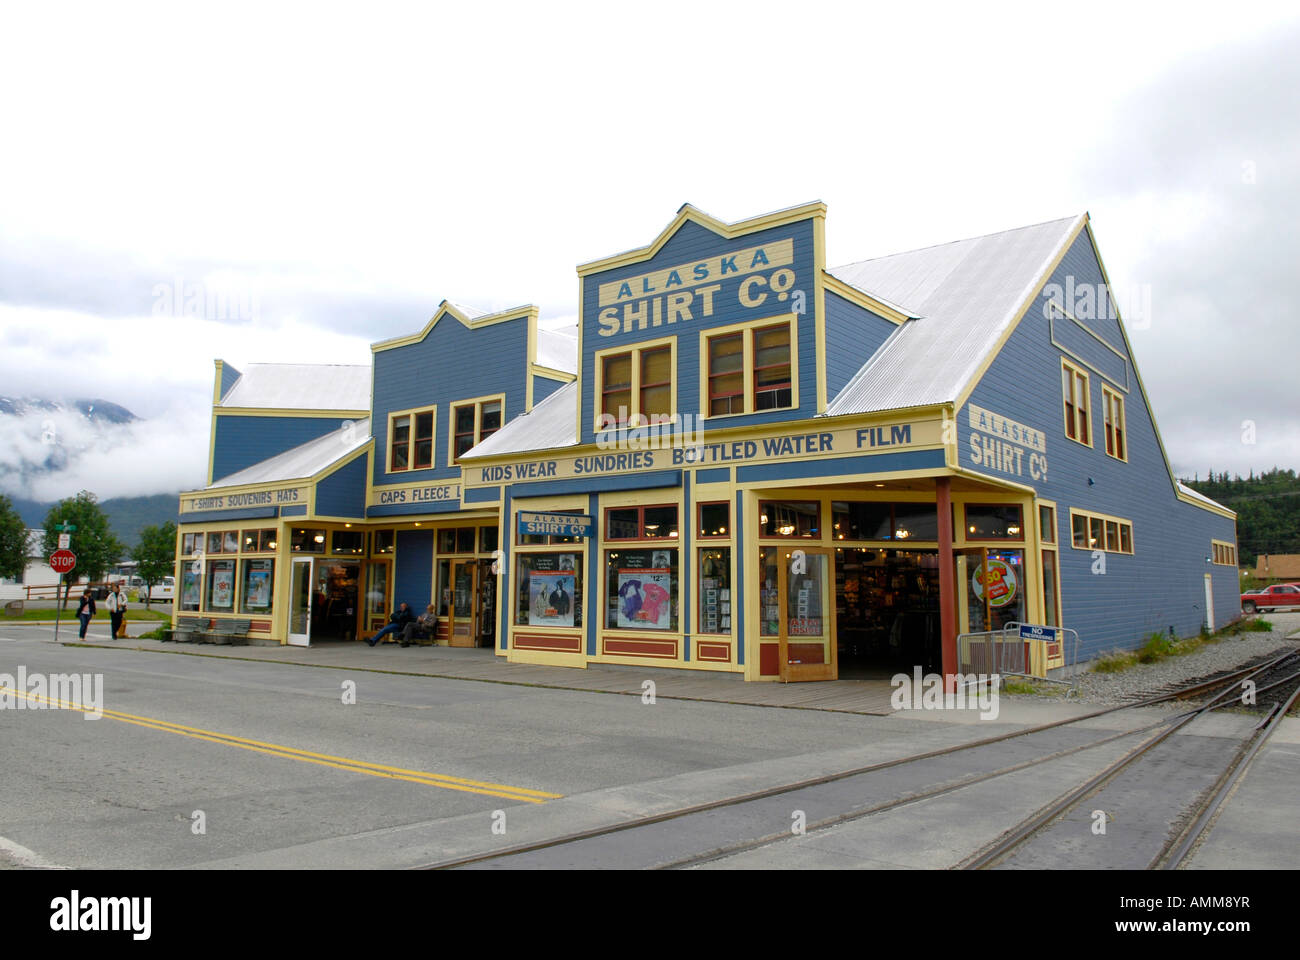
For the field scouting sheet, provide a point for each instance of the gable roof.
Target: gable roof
(962, 297)
(305, 460)
(300, 386)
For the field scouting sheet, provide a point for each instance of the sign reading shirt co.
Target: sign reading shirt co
(755, 276)
(555, 524)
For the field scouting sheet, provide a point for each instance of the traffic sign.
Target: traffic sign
(62, 561)
(65, 541)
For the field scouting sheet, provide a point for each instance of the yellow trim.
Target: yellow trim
(635, 350)
(1075, 373)
(447, 309)
(577, 421)
(550, 373)
(1066, 315)
(530, 360)
(746, 327)
(1137, 375)
(1105, 518)
(727, 230)
(478, 422)
(313, 414)
(818, 315)
(410, 453)
(1227, 545)
(863, 299)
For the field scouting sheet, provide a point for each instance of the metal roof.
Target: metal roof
(301, 386)
(558, 349)
(1197, 495)
(305, 460)
(549, 425)
(964, 295)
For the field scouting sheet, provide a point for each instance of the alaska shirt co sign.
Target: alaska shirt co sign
(555, 524)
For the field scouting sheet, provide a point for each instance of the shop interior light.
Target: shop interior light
(722, 529)
(272, 545)
(763, 518)
(971, 528)
(1013, 531)
(672, 534)
(903, 534)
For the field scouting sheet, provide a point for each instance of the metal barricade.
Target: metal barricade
(1006, 653)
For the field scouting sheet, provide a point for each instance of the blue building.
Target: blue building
(744, 461)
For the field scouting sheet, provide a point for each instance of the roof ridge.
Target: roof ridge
(949, 243)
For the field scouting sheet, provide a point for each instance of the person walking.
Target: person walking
(116, 610)
(85, 610)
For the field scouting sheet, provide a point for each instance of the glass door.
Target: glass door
(464, 603)
(376, 605)
(300, 599)
(807, 615)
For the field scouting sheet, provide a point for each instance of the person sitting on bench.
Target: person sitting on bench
(396, 623)
(426, 626)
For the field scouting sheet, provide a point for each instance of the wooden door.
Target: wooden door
(464, 603)
(807, 625)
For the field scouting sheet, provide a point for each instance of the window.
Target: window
(715, 590)
(749, 370)
(472, 422)
(789, 519)
(348, 541)
(221, 586)
(1113, 405)
(715, 520)
(641, 523)
(1223, 553)
(410, 440)
(884, 521)
(259, 578)
(258, 541)
(382, 542)
(549, 590)
(191, 542)
(636, 386)
(1074, 385)
(1047, 524)
(642, 589)
(458, 540)
(993, 522)
(307, 541)
(1092, 532)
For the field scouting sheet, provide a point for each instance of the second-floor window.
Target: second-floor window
(750, 370)
(410, 444)
(1074, 386)
(1115, 431)
(635, 385)
(473, 422)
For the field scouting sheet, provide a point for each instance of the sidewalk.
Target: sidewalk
(847, 696)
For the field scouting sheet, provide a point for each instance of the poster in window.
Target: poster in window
(257, 595)
(645, 598)
(223, 586)
(189, 589)
(550, 599)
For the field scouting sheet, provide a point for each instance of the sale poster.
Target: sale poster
(644, 598)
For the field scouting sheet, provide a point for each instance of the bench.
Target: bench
(232, 632)
(187, 630)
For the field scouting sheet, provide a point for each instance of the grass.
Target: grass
(1159, 646)
(1017, 685)
(132, 614)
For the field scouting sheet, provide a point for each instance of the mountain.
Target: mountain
(126, 515)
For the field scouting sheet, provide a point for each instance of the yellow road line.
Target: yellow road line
(306, 756)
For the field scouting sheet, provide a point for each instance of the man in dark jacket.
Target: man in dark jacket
(85, 610)
(396, 623)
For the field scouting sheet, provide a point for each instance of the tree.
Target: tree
(155, 555)
(13, 540)
(93, 542)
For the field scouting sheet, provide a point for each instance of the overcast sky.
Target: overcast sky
(334, 172)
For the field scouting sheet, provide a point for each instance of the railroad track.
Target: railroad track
(1278, 676)
(762, 807)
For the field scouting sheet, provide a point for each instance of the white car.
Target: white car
(161, 591)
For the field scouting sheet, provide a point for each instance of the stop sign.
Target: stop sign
(62, 561)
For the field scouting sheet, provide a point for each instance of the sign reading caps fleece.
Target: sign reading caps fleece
(755, 276)
(555, 524)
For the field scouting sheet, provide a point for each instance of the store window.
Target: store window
(996, 590)
(715, 520)
(714, 590)
(1091, 532)
(884, 521)
(458, 540)
(221, 586)
(641, 523)
(488, 539)
(1050, 614)
(548, 591)
(1047, 524)
(191, 586)
(302, 540)
(750, 370)
(789, 519)
(226, 541)
(410, 440)
(473, 422)
(769, 592)
(986, 521)
(190, 542)
(257, 541)
(382, 542)
(636, 386)
(1113, 405)
(257, 590)
(1074, 387)
(351, 542)
(642, 589)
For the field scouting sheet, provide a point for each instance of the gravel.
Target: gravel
(1145, 678)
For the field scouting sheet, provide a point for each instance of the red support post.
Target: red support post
(947, 584)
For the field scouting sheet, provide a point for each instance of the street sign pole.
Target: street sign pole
(62, 562)
(58, 608)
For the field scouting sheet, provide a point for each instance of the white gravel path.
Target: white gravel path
(1122, 687)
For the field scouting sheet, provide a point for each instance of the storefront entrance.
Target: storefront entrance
(887, 610)
(467, 603)
(798, 611)
(334, 610)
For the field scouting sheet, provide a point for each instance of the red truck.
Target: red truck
(1280, 596)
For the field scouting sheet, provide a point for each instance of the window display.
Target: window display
(642, 589)
(549, 590)
(715, 590)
